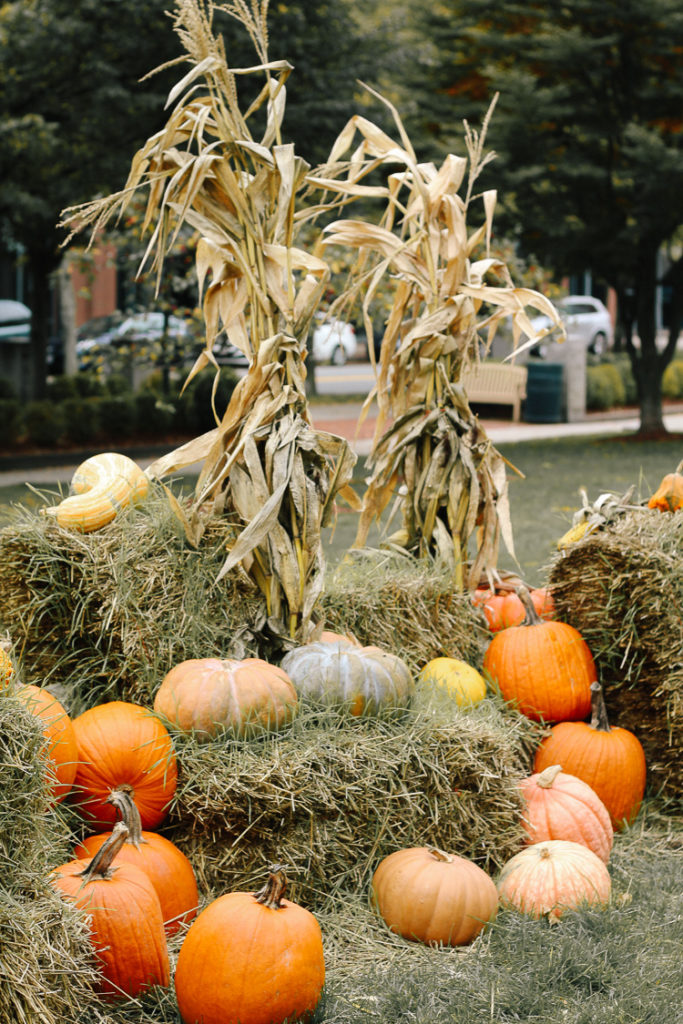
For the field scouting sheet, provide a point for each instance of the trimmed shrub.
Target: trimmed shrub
(62, 387)
(89, 385)
(621, 361)
(44, 422)
(117, 416)
(153, 417)
(10, 421)
(193, 408)
(81, 419)
(672, 380)
(7, 388)
(599, 388)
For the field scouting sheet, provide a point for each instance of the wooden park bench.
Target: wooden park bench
(496, 384)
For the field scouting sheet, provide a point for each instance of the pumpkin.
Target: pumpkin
(251, 958)
(552, 877)
(433, 897)
(365, 679)
(119, 742)
(167, 867)
(206, 696)
(62, 749)
(462, 682)
(101, 486)
(609, 759)
(126, 928)
(6, 668)
(560, 806)
(543, 666)
(503, 607)
(329, 637)
(669, 495)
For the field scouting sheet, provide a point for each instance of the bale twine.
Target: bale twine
(622, 587)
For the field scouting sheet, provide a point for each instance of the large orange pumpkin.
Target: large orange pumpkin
(560, 806)
(58, 730)
(126, 927)
(552, 877)
(544, 667)
(167, 867)
(119, 743)
(434, 897)
(251, 958)
(609, 759)
(206, 696)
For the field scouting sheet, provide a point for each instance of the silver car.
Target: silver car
(587, 322)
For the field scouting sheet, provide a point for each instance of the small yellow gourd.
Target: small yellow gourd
(462, 682)
(100, 488)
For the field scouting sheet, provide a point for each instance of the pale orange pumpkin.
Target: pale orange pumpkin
(251, 958)
(552, 877)
(126, 927)
(434, 897)
(560, 806)
(166, 866)
(61, 750)
(206, 696)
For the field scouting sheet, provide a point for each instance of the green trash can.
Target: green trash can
(544, 402)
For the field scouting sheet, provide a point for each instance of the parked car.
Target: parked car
(15, 321)
(334, 341)
(107, 332)
(229, 355)
(587, 322)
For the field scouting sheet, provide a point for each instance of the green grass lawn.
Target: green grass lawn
(542, 502)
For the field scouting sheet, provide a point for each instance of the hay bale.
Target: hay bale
(105, 615)
(622, 587)
(331, 794)
(405, 605)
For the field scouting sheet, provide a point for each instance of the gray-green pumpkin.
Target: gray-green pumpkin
(366, 679)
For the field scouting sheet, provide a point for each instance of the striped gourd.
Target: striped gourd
(100, 487)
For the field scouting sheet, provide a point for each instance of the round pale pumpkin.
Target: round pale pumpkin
(251, 958)
(461, 681)
(543, 666)
(206, 696)
(434, 897)
(62, 750)
(120, 742)
(553, 877)
(560, 806)
(608, 758)
(367, 680)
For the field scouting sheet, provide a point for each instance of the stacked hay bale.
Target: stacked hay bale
(622, 587)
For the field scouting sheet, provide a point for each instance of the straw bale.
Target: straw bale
(406, 606)
(105, 615)
(622, 587)
(331, 794)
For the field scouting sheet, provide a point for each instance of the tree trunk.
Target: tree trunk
(67, 316)
(649, 366)
(41, 265)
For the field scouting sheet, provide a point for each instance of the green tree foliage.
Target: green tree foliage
(589, 133)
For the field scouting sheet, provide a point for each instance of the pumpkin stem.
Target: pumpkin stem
(272, 892)
(123, 800)
(440, 854)
(531, 617)
(548, 776)
(599, 718)
(100, 865)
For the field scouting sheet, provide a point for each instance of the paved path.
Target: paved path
(342, 418)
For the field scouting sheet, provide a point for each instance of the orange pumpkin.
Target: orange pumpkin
(434, 897)
(126, 928)
(119, 743)
(560, 806)
(504, 608)
(669, 495)
(552, 877)
(609, 759)
(543, 666)
(58, 730)
(206, 696)
(167, 867)
(251, 958)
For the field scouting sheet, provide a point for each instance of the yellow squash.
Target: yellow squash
(100, 487)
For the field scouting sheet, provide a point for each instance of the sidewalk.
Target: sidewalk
(339, 418)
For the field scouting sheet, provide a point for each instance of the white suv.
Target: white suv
(334, 341)
(586, 320)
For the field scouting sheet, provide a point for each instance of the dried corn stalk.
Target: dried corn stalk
(452, 480)
(263, 463)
